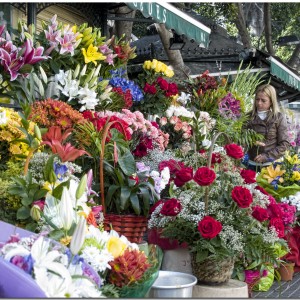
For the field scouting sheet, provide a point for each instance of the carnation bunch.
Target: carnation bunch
(145, 134)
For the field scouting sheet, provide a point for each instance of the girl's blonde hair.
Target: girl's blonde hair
(269, 91)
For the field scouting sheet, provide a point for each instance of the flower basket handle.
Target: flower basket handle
(213, 141)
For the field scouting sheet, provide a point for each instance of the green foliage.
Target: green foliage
(27, 90)
(245, 84)
(28, 191)
(125, 195)
(283, 24)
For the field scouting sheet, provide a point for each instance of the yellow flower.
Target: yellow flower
(159, 68)
(115, 246)
(154, 64)
(79, 35)
(147, 65)
(65, 240)
(92, 54)
(169, 72)
(295, 176)
(270, 173)
(293, 160)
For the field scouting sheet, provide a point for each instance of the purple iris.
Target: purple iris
(60, 170)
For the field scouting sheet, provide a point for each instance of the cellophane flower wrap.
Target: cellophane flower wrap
(56, 271)
(282, 178)
(219, 211)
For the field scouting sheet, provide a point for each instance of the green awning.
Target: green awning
(174, 18)
(278, 70)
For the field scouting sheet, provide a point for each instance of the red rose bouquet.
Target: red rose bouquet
(219, 212)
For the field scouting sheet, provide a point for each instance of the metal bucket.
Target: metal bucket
(171, 284)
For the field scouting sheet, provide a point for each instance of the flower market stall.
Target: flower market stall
(101, 175)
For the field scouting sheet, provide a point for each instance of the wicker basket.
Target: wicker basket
(131, 226)
(212, 272)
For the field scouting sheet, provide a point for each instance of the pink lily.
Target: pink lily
(32, 55)
(10, 63)
(66, 43)
(54, 133)
(52, 36)
(66, 152)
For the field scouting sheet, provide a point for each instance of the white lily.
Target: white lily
(66, 211)
(54, 285)
(49, 260)
(78, 236)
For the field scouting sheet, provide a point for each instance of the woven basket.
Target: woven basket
(131, 226)
(212, 272)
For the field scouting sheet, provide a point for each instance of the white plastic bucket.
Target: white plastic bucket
(171, 284)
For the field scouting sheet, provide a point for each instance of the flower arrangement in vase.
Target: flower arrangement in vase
(215, 206)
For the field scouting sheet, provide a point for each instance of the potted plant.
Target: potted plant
(214, 211)
(126, 191)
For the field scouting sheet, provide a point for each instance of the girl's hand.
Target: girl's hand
(261, 144)
(260, 158)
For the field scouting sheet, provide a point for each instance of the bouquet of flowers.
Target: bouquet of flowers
(281, 178)
(56, 271)
(220, 208)
(158, 89)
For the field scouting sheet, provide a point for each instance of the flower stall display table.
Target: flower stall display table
(231, 289)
